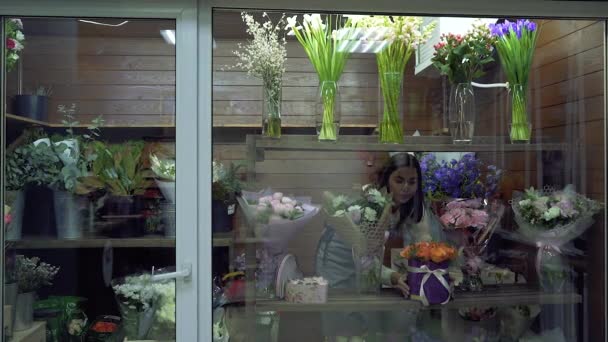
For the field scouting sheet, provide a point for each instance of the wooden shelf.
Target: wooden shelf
(389, 300)
(152, 242)
(410, 144)
(228, 239)
(23, 120)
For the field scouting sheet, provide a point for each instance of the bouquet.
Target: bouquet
(264, 57)
(276, 217)
(400, 36)
(7, 215)
(362, 222)
(550, 219)
(428, 271)
(515, 42)
(33, 274)
(147, 307)
(14, 42)
(327, 44)
(462, 57)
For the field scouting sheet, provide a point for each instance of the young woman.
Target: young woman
(409, 222)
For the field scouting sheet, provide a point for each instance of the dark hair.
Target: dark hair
(413, 209)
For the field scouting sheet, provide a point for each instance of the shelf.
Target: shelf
(152, 242)
(23, 120)
(389, 300)
(227, 240)
(410, 144)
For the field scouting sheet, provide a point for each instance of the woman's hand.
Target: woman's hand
(398, 281)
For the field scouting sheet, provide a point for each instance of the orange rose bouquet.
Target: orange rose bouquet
(428, 271)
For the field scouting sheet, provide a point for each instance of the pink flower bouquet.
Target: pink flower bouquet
(276, 218)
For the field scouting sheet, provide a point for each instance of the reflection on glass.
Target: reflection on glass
(422, 240)
(90, 135)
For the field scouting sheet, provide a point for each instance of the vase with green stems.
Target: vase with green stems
(271, 110)
(327, 43)
(327, 116)
(520, 128)
(515, 42)
(461, 113)
(390, 126)
(399, 37)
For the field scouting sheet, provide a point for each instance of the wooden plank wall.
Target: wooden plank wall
(130, 81)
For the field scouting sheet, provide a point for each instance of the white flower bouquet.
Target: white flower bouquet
(147, 307)
(360, 222)
(553, 217)
(276, 217)
(32, 274)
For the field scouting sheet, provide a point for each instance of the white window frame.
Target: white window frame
(184, 12)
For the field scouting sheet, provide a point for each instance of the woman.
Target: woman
(409, 222)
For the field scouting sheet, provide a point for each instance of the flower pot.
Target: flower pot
(428, 280)
(124, 214)
(369, 273)
(327, 109)
(68, 214)
(136, 324)
(271, 111)
(39, 212)
(391, 126)
(16, 200)
(32, 106)
(11, 291)
(24, 313)
(168, 190)
(223, 213)
(462, 113)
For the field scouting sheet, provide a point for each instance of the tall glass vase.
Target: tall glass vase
(368, 273)
(391, 126)
(462, 113)
(520, 129)
(271, 110)
(327, 117)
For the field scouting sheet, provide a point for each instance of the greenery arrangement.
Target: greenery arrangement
(32, 274)
(163, 168)
(13, 31)
(462, 57)
(401, 36)
(264, 57)
(118, 168)
(327, 45)
(515, 42)
(226, 182)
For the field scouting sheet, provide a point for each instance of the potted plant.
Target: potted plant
(225, 188)
(68, 204)
(35, 104)
(31, 274)
(34, 168)
(119, 170)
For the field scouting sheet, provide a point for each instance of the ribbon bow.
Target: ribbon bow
(438, 273)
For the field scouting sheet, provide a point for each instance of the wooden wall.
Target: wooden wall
(128, 80)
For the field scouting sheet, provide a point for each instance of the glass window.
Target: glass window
(89, 191)
(407, 178)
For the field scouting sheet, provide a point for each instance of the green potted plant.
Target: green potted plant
(225, 188)
(34, 105)
(71, 150)
(31, 275)
(118, 169)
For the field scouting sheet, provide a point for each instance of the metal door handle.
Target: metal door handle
(185, 272)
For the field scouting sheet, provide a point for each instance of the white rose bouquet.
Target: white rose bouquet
(276, 217)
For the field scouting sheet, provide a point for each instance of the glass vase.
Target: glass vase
(520, 128)
(271, 111)
(369, 273)
(327, 117)
(391, 125)
(462, 113)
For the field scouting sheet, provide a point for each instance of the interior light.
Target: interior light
(102, 24)
(168, 36)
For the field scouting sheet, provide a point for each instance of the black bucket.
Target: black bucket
(124, 216)
(32, 106)
(39, 212)
(222, 216)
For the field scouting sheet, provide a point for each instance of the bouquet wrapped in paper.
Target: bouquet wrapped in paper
(551, 218)
(362, 222)
(276, 217)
